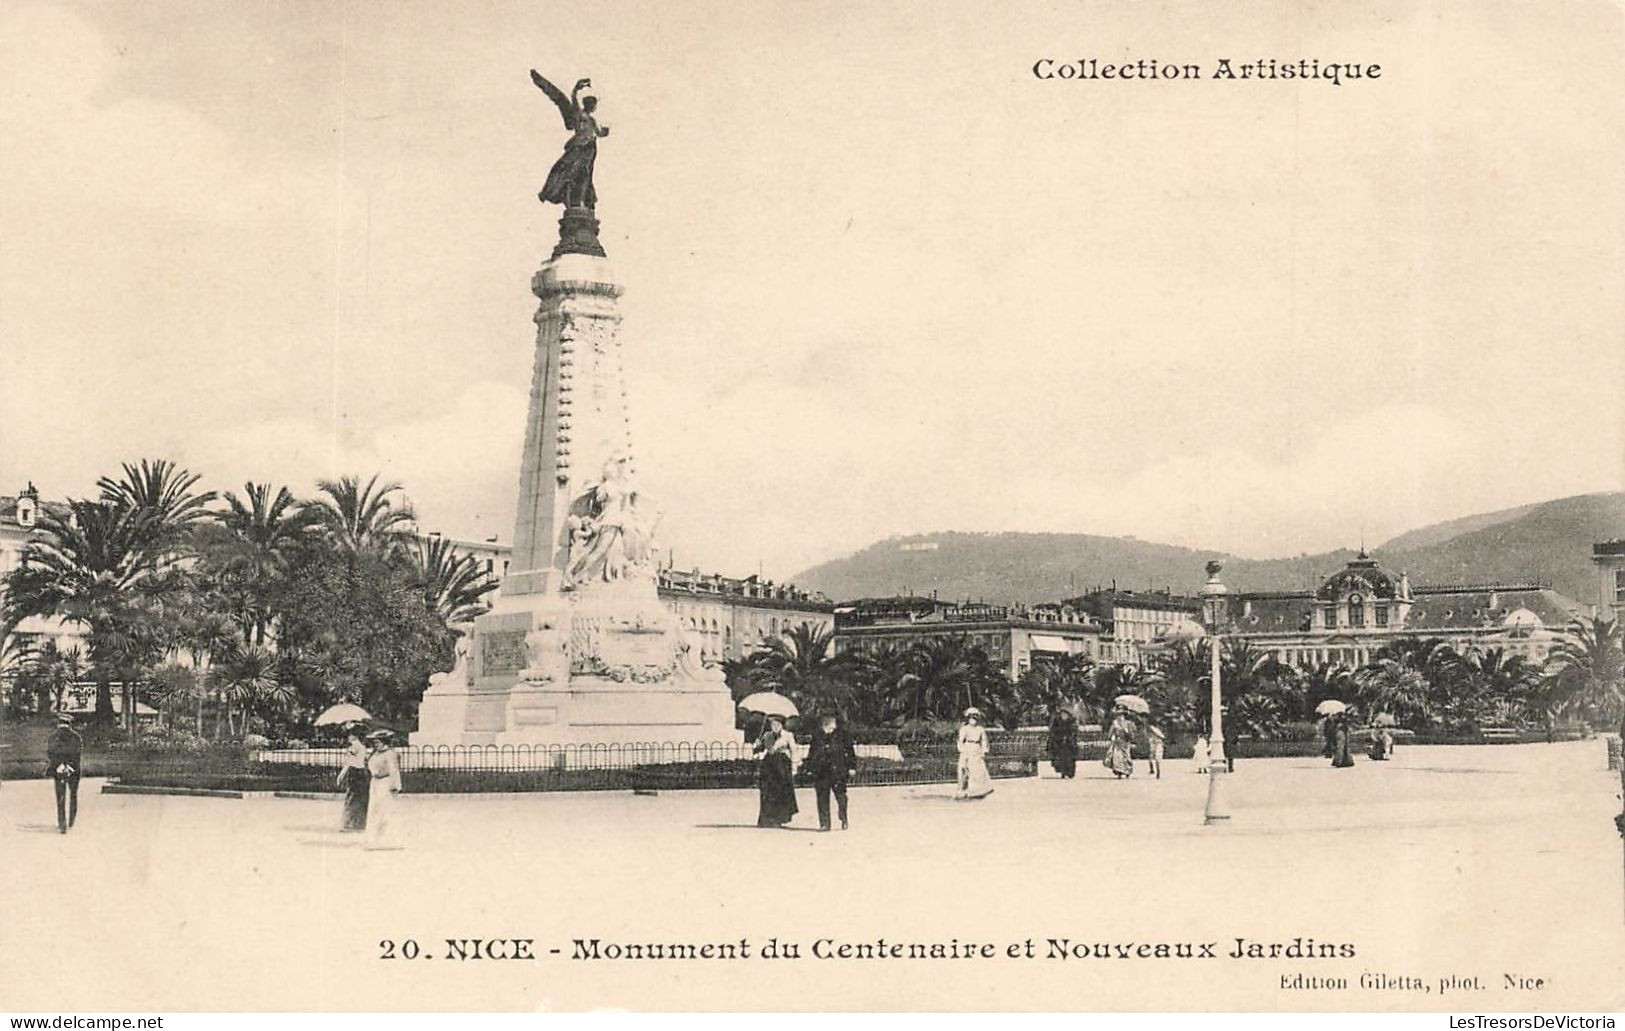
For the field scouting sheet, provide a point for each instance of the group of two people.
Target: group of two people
(1339, 735)
(1120, 736)
(370, 778)
(831, 760)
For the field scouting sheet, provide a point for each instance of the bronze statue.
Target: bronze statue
(570, 180)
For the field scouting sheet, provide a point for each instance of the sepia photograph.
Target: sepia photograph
(1080, 507)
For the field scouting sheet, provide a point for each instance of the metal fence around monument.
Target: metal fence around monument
(646, 766)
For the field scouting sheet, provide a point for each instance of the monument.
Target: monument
(578, 648)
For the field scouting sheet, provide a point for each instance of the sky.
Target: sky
(880, 279)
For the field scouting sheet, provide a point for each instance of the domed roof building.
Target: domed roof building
(1363, 607)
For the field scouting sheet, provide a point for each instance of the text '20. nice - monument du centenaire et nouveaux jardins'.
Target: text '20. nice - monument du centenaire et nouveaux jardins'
(578, 648)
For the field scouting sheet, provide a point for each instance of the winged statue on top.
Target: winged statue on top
(570, 181)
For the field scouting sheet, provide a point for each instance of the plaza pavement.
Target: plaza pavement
(1447, 862)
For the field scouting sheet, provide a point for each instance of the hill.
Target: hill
(1550, 541)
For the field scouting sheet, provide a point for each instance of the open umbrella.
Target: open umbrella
(1385, 719)
(1330, 707)
(343, 713)
(769, 703)
(1133, 703)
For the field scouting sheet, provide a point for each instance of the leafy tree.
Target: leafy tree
(355, 626)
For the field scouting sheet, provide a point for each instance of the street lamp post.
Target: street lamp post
(1215, 600)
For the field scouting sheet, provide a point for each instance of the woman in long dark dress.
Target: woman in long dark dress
(1063, 744)
(775, 777)
(1340, 741)
(356, 781)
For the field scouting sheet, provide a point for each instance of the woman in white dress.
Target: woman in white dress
(385, 769)
(974, 780)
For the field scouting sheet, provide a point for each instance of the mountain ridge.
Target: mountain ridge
(1548, 542)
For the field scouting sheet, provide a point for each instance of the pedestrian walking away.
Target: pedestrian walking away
(64, 762)
(831, 759)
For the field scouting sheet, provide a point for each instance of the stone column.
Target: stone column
(577, 420)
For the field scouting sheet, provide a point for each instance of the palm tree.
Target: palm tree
(1053, 685)
(363, 519)
(1260, 690)
(14, 673)
(1494, 684)
(454, 586)
(1587, 669)
(946, 674)
(88, 565)
(803, 665)
(1108, 682)
(247, 675)
(179, 685)
(879, 677)
(1433, 658)
(262, 531)
(161, 495)
(1329, 681)
(1393, 686)
(57, 668)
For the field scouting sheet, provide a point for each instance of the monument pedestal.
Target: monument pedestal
(555, 670)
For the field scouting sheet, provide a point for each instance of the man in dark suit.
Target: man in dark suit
(830, 760)
(64, 754)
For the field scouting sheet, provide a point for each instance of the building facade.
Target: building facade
(1014, 637)
(728, 618)
(19, 515)
(1362, 608)
(1134, 620)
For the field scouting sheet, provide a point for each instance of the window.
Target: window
(1619, 587)
(1356, 611)
(1331, 616)
(1382, 615)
